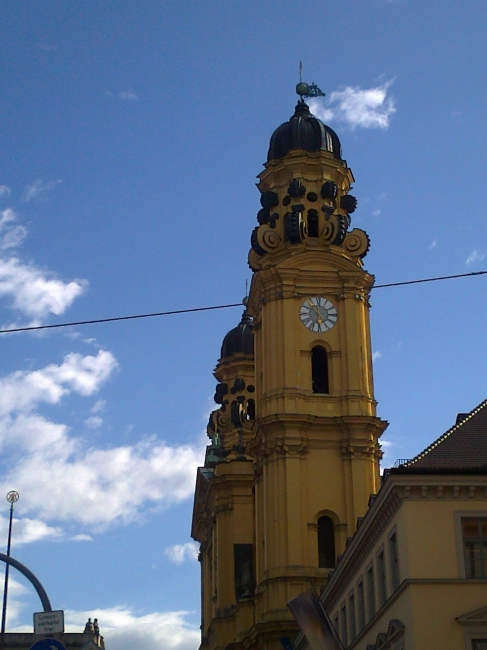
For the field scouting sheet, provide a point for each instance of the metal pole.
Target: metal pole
(12, 497)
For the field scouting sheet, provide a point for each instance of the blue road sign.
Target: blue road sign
(47, 644)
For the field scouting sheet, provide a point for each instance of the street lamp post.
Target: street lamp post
(12, 497)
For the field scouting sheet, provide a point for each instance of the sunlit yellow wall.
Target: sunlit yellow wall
(425, 513)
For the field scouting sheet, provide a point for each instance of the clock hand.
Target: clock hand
(320, 318)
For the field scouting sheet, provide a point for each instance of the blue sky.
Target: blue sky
(131, 135)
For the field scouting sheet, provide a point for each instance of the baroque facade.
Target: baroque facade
(285, 489)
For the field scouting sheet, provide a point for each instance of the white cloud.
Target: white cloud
(10, 235)
(60, 476)
(36, 292)
(63, 479)
(367, 108)
(124, 629)
(94, 422)
(38, 189)
(99, 406)
(15, 605)
(81, 538)
(128, 94)
(377, 213)
(432, 246)
(26, 531)
(100, 487)
(22, 391)
(181, 552)
(376, 355)
(475, 256)
(388, 449)
(4, 191)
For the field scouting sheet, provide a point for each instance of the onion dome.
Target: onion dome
(239, 340)
(303, 131)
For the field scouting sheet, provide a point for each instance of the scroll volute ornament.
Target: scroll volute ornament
(254, 261)
(268, 239)
(357, 243)
(335, 229)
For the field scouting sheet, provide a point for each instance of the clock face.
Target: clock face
(318, 314)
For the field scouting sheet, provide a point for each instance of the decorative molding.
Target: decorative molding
(442, 490)
(281, 446)
(368, 538)
(224, 505)
(351, 450)
(476, 617)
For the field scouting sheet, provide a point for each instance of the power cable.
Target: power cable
(442, 277)
(235, 304)
(110, 320)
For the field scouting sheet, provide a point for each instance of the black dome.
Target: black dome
(240, 340)
(303, 131)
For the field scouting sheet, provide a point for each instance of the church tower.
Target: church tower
(298, 414)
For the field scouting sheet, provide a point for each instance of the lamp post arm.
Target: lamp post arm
(41, 592)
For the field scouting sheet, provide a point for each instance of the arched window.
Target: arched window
(319, 370)
(326, 543)
(313, 223)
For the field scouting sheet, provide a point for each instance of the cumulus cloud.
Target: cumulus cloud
(369, 108)
(179, 553)
(27, 530)
(100, 487)
(125, 629)
(33, 292)
(376, 355)
(129, 95)
(21, 391)
(63, 479)
(475, 256)
(36, 292)
(4, 191)
(60, 475)
(38, 190)
(11, 233)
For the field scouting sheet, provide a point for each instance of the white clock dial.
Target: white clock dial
(318, 314)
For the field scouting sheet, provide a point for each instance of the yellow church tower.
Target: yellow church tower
(294, 455)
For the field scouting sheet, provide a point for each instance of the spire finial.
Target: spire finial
(307, 90)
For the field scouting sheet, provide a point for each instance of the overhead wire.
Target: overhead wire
(214, 307)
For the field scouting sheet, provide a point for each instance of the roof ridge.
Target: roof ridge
(447, 434)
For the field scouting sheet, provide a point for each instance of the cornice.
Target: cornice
(398, 489)
(263, 633)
